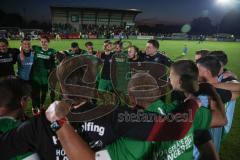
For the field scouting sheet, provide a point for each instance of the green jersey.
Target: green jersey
(8, 123)
(181, 149)
(44, 62)
(128, 149)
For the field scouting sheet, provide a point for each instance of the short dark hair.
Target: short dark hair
(107, 41)
(45, 37)
(188, 72)
(211, 63)
(74, 44)
(25, 39)
(203, 52)
(221, 56)
(3, 40)
(135, 48)
(118, 43)
(88, 44)
(154, 42)
(12, 90)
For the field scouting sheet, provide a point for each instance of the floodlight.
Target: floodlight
(225, 2)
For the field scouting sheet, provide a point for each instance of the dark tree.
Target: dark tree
(14, 20)
(2, 18)
(202, 25)
(230, 23)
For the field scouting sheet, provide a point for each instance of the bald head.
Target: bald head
(143, 88)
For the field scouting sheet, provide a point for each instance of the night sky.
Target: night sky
(154, 11)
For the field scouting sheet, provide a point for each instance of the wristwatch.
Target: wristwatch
(56, 125)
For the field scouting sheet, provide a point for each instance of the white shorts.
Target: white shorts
(102, 155)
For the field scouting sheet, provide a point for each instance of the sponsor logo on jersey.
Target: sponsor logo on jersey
(27, 64)
(42, 56)
(6, 60)
(175, 150)
(90, 126)
(95, 144)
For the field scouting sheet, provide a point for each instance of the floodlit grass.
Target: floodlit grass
(231, 144)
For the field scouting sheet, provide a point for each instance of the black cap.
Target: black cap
(74, 45)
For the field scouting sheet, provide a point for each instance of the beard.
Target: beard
(27, 53)
(202, 79)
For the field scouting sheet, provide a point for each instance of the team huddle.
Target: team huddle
(103, 103)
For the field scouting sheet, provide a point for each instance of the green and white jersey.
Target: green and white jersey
(44, 62)
(128, 149)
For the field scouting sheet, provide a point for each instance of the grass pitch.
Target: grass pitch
(231, 143)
